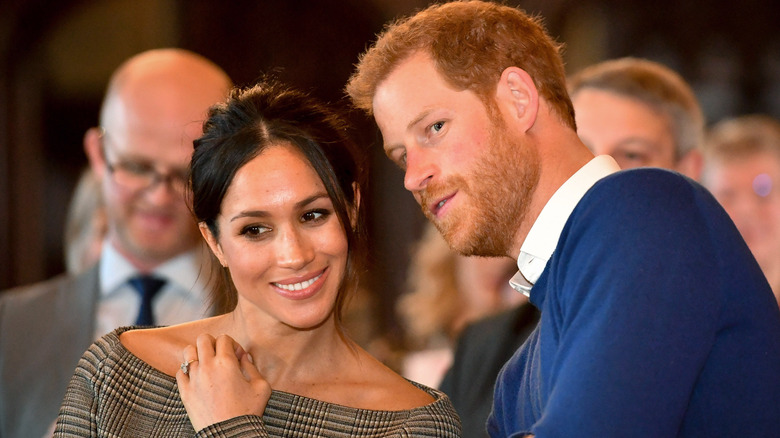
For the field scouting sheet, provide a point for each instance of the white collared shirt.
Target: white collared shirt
(546, 230)
(183, 298)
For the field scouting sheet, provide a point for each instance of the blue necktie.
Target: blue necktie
(147, 286)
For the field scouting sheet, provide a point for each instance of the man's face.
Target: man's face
(148, 225)
(472, 179)
(749, 190)
(627, 129)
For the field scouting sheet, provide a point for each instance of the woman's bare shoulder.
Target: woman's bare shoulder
(162, 347)
(388, 390)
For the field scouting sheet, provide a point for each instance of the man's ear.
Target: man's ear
(691, 164)
(93, 147)
(211, 240)
(518, 97)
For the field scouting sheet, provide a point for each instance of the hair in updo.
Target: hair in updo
(269, 114)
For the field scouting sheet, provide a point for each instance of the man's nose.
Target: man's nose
(420, 169)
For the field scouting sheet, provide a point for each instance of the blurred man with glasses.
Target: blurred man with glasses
(153, 269)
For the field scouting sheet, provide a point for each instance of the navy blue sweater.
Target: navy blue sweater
(656, 322)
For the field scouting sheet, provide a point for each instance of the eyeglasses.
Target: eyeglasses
(136, 175)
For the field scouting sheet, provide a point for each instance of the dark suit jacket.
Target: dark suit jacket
(44, 330)
(482, 349)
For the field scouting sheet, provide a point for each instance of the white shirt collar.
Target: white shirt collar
(184, 270)
(546, 230)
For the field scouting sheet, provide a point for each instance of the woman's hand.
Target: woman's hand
(221, 382)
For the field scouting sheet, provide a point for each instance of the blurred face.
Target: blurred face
(484, 283)
(749, 190)
(627, 129)
(147, 223)
(281, 240)
(471, 178)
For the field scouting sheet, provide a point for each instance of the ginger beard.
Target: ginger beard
(500, 188)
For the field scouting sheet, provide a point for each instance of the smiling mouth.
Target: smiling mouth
(298, 286)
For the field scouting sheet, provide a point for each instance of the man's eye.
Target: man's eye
(182, 176)
(137, 168)
(399, 158)
(436, 127)
(634, 156)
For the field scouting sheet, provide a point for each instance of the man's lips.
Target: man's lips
(155, 220)
(436, 207)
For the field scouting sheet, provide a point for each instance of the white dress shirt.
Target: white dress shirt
(546, 230)
(183, 298)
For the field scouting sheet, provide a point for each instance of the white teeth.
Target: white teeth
(298, 286)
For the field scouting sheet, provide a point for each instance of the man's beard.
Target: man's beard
(500, 189)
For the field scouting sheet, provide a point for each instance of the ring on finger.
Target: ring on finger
(185, 366)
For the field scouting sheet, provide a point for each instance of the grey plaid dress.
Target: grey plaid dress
(115, 394)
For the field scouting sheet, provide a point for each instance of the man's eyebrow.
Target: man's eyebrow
(390, 147)
(419, 117)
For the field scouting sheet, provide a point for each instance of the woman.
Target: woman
(276, 190)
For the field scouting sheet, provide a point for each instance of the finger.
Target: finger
(239, 350)
(249, 369)
(189, 357)
(183, 381)
(188, 353)
(206, 347)
(226, 346)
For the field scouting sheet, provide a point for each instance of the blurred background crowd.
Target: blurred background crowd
(56, 58)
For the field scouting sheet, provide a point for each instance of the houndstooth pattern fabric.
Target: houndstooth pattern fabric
(115, 394)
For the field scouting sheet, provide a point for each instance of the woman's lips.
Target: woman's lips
(301, 288)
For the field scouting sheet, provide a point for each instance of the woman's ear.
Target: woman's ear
(518, 97)
(209, 237)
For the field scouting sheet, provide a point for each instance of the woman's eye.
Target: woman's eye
(253, 230)
(315, 215)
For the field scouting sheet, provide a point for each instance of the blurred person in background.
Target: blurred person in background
(742, 170)
(85, 224)
(153, 266)
(446, 291)
(640, 112)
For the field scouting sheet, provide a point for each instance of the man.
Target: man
(153, 109)
(654, 314)
(742, 168)
(642, 114)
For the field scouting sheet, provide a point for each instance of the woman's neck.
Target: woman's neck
(287, 356)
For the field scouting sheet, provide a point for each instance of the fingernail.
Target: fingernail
(251, 360)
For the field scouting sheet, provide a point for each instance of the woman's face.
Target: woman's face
(281, 240)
